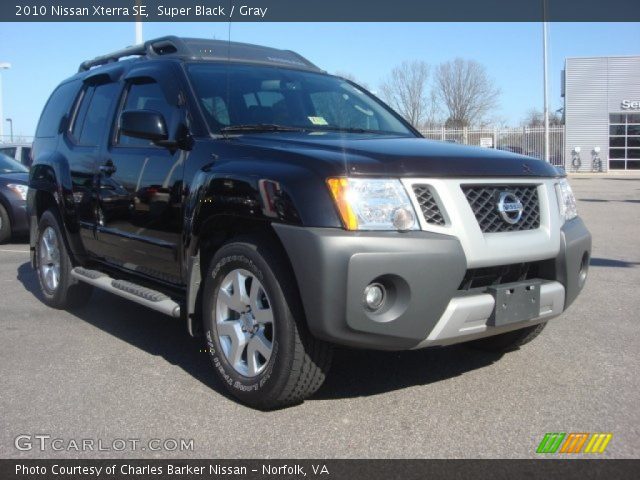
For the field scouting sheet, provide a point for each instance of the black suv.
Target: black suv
(279, 210)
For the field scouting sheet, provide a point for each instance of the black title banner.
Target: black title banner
(318, 469)
(319, 10)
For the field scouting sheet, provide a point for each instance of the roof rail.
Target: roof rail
(158, 46)
(204, 49)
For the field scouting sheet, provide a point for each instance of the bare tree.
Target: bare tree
(466, 92)
(535, 118)
(406, 90)
(433, 117)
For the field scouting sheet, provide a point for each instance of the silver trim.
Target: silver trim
(244, 322)
(490, 249)
(105, 282)
(510, 203)
(49, 259)
(466, 318)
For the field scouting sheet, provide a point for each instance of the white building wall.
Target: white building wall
(594, 88)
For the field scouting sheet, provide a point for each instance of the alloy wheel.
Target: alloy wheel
(49, 252)
(244, 321)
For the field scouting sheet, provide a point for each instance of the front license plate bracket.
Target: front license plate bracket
(515, 302)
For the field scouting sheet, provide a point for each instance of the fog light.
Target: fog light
(584, 269)
(374, 296)
(403, 219)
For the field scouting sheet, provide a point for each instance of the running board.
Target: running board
(153, 299)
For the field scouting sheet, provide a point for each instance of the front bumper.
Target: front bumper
(423, 271)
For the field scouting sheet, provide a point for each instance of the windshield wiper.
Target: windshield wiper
(261, 127)
(272, 127)
(329, 128)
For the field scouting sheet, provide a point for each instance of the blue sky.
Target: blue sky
(42, 54)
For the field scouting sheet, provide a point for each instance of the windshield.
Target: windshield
(9, 165)
(244, 96)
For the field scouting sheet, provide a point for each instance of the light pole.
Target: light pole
(10, 120)
(544, 68)
(138, 25)
(3, 66)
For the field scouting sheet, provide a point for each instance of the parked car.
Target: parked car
(14, 181)
(18, 151)
(279, 210)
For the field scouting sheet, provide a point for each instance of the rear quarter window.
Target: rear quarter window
(10, 151)
(57, 106)
(92, 117)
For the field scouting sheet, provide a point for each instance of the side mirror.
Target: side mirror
(147, 124)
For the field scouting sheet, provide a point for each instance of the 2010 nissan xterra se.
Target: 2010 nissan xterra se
(280, 210)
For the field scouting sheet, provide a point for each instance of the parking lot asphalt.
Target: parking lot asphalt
(114, 370)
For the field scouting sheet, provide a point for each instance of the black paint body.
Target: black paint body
(145, 211)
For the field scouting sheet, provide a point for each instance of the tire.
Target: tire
(66, 292)
(5, 225)
(506, 342)
(297, 362)
(576, 163)
(597, 165)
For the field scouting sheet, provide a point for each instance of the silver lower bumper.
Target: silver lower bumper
(466, 318)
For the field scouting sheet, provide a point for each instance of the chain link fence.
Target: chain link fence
(525, 140)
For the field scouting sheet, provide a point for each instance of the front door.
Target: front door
(140, 193)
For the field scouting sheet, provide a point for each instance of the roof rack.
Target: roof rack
(203, 49)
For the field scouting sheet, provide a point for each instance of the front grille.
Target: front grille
(517, 272)
(483, 200)
(428, 204)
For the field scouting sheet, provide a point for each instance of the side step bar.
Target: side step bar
(153, 299)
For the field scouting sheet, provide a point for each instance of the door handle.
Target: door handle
(108, 168)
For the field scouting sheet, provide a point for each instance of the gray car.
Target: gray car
(14, 181)
(18, 151)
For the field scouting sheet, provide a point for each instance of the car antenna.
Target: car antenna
(224, 134)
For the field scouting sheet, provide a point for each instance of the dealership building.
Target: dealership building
(602, 112)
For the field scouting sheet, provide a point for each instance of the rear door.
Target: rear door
(83, 144)
(140, 187)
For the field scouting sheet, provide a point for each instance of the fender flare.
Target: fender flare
(52, 175)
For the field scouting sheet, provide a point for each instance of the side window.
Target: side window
(91, 118)
(25, 155)
(10, 151)
(146, 96)
(216, 109)
(81, 112)
(57, 105)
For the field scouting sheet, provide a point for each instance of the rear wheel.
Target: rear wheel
(5, 225)
(258, 341)
(508, 341)
(53, 264)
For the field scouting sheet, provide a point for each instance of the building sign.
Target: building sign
(630, 104)
(486, 142)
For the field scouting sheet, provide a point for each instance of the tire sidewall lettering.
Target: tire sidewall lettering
(229, 376)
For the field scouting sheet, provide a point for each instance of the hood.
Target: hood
(20, 178)
(380, 155)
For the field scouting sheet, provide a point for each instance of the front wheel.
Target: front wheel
(5, 225)
(53, 264)
(254, 323)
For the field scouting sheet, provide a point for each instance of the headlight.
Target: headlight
(566, 200)
(19, 189)
(373, 204)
